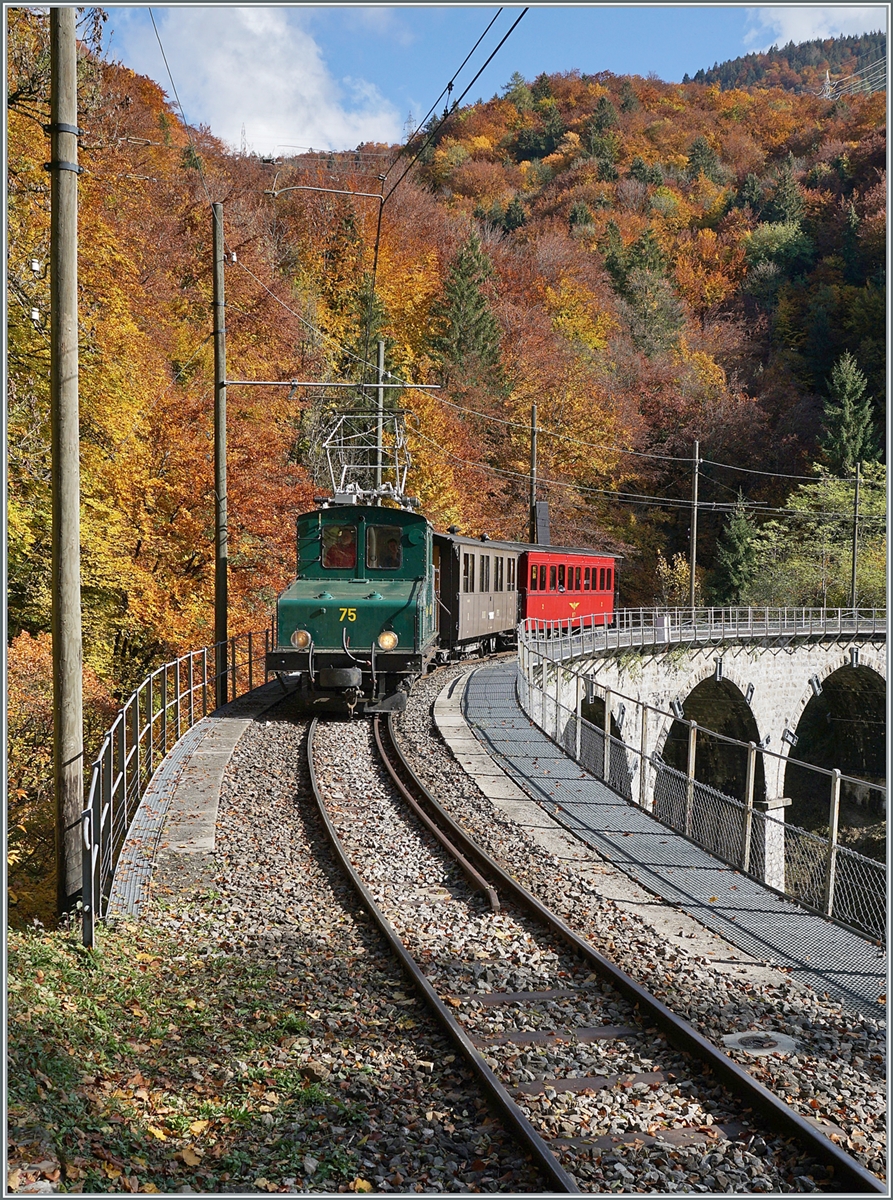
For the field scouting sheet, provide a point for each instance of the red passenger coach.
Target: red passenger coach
(558, 584)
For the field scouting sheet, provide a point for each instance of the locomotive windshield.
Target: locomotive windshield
(339, 546)
(383, 549)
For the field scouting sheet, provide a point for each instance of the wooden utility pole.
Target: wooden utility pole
(533, 474)
(68, 725)
(855, 538)
(220, 525)
(694, 529)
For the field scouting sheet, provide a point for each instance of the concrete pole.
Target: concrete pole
(221, 538)
(831, 860)
(68, 734)
(606, 761)
(379, 426)
(748, 806)
(533, 474)
(694, 529)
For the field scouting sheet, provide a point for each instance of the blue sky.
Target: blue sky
(332, 76)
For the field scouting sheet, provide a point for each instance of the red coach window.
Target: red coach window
(552, 576)
(601, 579)
(609, 580)
(578, 571)
(586, 579)
(562, 571)
(533, 578)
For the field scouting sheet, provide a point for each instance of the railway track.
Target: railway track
(578, 1058)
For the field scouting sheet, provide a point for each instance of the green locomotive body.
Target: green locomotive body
(358, 622)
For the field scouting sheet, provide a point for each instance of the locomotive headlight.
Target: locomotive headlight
(387, 640)
(301, 639)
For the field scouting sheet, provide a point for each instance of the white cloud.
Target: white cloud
(778, 25)
(258, 67)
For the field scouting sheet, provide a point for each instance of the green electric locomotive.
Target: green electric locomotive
(358, 623)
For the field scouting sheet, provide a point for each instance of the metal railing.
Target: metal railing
(633, 627)
(817, 872)
(168, 702)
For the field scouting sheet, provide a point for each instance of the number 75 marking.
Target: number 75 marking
(349, 614)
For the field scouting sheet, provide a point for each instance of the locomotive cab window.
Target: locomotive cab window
(383, 549)
(339, 546)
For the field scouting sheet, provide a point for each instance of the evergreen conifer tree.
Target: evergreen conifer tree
(785, 203)
(515, 216)
(736, 557)
(466, 338)
(702, 160)
(849, 433)
(629, 101)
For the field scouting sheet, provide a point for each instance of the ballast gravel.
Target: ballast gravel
(393, 1110)
(837, 1076)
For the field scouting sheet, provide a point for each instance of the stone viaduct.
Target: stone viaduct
(816, 694)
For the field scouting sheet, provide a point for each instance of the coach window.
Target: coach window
(467, 572)
(601, 579)
(609, 579)
(534, 578)
(586, 579)
(562, 571)
(498, 573)
(383, 549)
(485, 573)
(578, 571)
(339, 546)
(553, 575)
(510, 575)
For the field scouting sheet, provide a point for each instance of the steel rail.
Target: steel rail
(539, 1150)
(473, 876)
(849, 1174)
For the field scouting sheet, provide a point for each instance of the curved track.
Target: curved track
(599, 1019)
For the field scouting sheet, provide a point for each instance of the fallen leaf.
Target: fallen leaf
(199, 1126)
(712, 899)
(361, 1185)
(189, 1157)
(152, 1189)
(157, 1133)
(112, 1171)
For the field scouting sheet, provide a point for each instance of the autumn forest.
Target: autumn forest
(651, 264)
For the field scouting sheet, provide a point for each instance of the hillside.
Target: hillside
(797, 67)
(649, 263)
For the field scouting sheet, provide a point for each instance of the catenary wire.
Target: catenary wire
(456, 104)
(639, 498)
(449, 86)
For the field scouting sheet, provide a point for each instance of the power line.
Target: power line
(455, 105)
(449, 87)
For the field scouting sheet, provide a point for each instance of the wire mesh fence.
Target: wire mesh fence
(168, 702)
(751, 836)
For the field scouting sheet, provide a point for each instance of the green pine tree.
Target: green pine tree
(579, 214)
(737, 553)
(604, 116)
(518, 92)
(849, 432)
(750, 194)
(467, 335)
(785, 204)
(702, 160)
(515, 216)
(629, 101)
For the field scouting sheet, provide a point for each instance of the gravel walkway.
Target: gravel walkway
(838, 1072)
